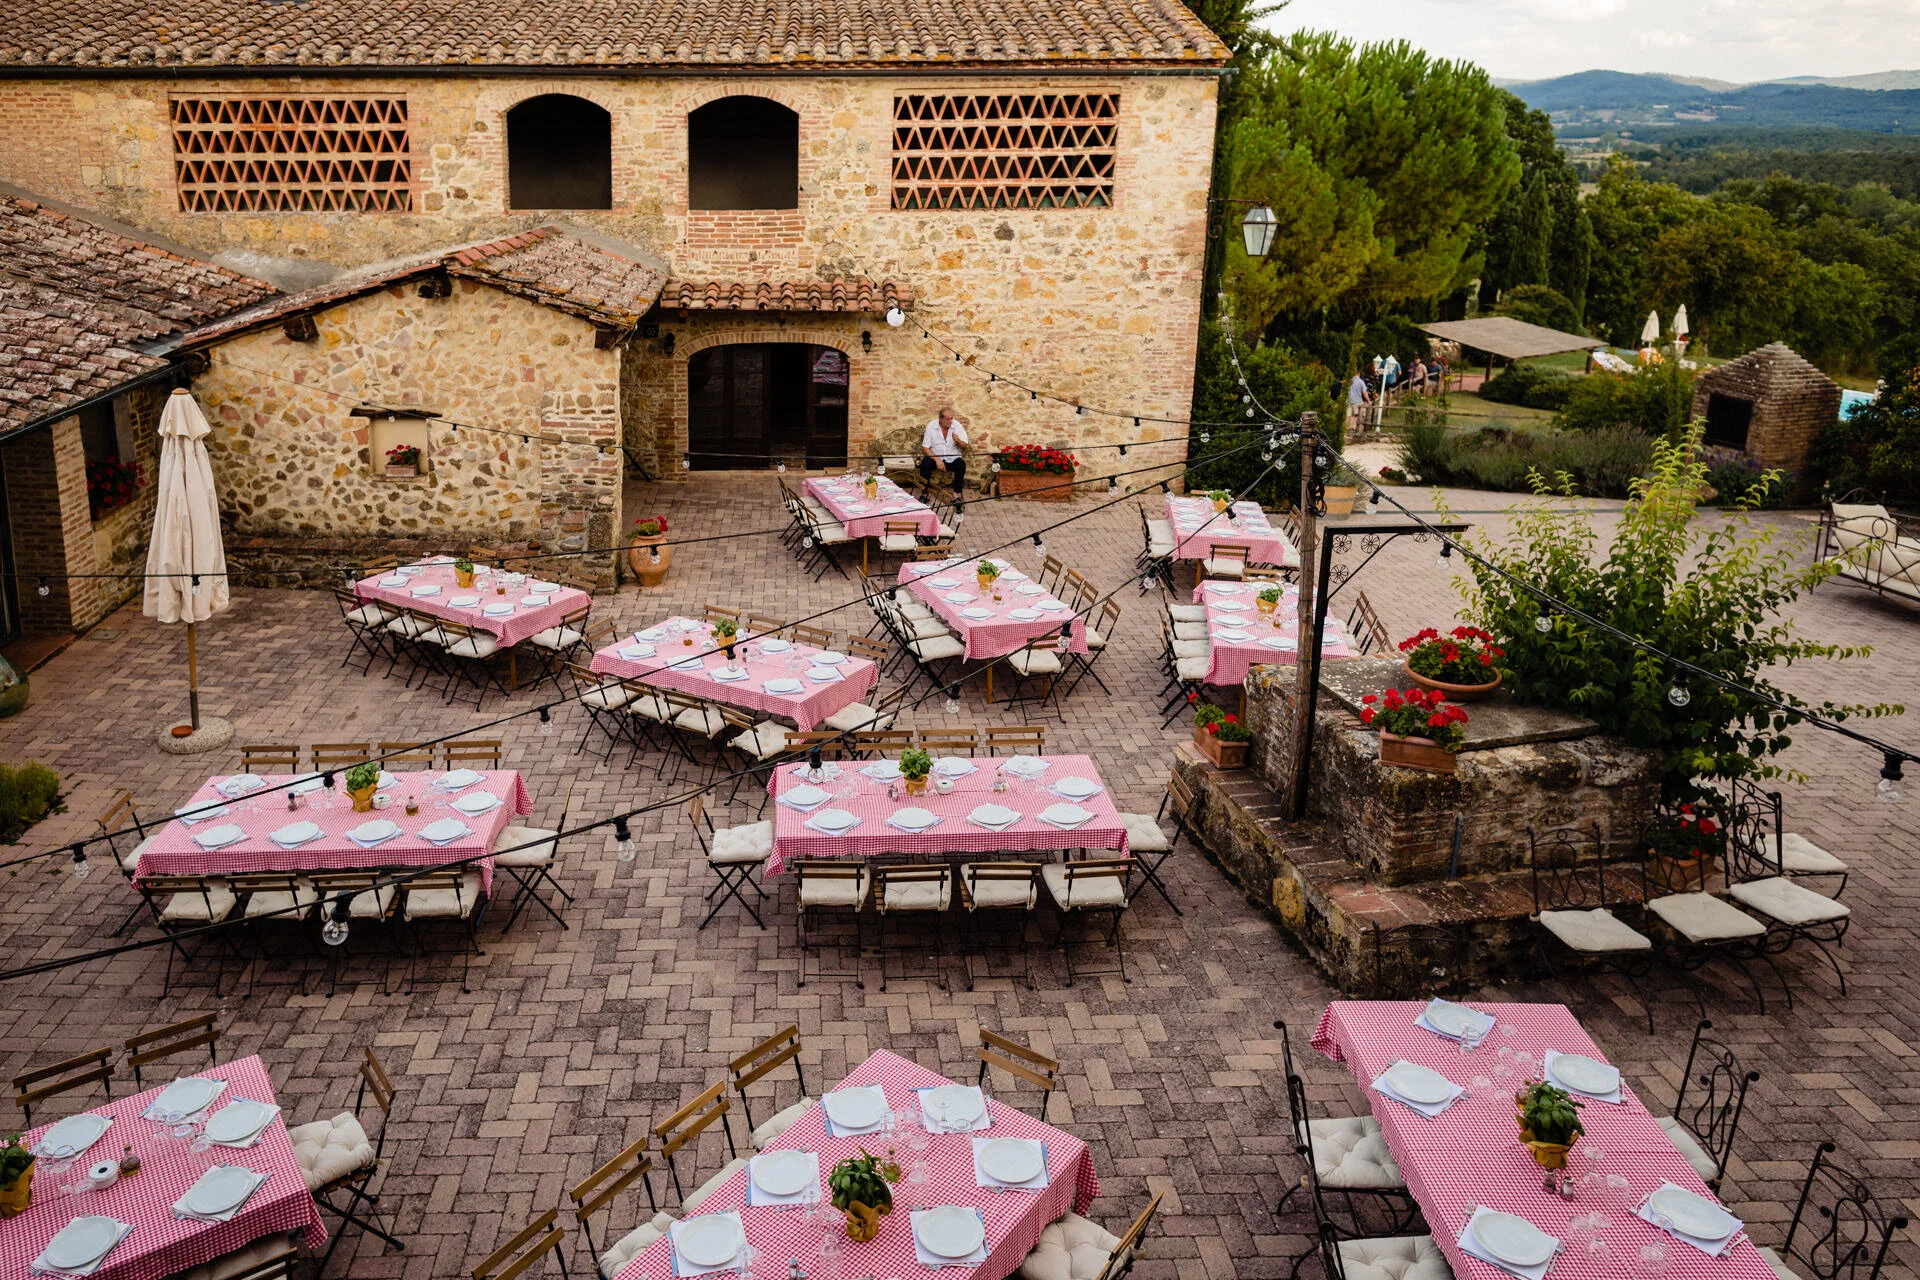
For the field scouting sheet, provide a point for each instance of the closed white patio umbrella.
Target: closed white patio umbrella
(186, 563)
(1650, 331)
(1680, 322)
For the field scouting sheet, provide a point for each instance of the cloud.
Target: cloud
(1655, 38)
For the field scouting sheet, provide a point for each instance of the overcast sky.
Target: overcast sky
(1738, 40)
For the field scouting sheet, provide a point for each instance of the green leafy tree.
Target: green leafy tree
(1539, 235)
(1628, 214)
(1657, 401)
(1280, 380)
(1877, 448)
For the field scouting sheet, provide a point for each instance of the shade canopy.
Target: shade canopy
(186, 522)
(1508, 338)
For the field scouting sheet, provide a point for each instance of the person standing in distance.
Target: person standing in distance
(940, 446)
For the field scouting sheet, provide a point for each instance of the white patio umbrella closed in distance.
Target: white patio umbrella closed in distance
(1650, 331)
(186, 563)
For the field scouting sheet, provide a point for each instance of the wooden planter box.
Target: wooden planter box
(1415, 753)
(402, 470)
(1223, 755)
(1027, 484)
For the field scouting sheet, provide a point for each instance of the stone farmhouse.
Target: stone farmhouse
(723, 206)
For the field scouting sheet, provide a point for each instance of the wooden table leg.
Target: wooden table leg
(865, 543)
(990, 667)
(513, 668)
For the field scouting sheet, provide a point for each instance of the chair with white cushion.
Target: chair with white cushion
(370, 900)
(1149, 843)
(694, 723)
(732, 855)
(336, 1156)
(443, 895)
(1383, 1258)
(273, 900)
(365, 622)
(1186, 664)
(599, 1188)
(126, 839)
(1756, 815)
(1703, 928)
(1343, 1154)
(1703, 1132)
(917, 889)
(271, 1257)
(604, 697)
(1087, 886)
(687, 1124)
(1758, 881)
(562, 642)
(860, 717)
(1077, 1248)
(1227, 560)
(1011, 888)
(900, 537)
(1840, 1229)
(830, 884)
(1568, 870)
(757, 1064)
(1039, 660)
(1100, 631)
(184, 904)
(529, 855)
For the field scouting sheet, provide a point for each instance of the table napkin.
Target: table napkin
(202, 838)
(1471, 1247)
(200, 813)
(461, 834)
(635, 652)
(1429, 1111)
(40, 1267)
(934, 1260)
(1025, 766)
(985, 1179)
(295, 844)
(824, 675)
(724, 676)
(180, 1209)
(1066, 826)
(1425, 1025)
(759, 1197)
(1547, 1062)
(812, 824)
(835, 1131)
(1712, 1248)
(1054, 788)
(932, 1125)
(372, 844)
(149, 1115)
(788, 800)
(239, 784)
(681, 1267)
(989, 826)
(273, 1110)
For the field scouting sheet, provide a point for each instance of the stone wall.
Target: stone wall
(292, 461)
(120, 536)
(1792, 402)
(1099, 303)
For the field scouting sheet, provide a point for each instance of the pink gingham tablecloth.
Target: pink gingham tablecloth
(161, 1244)
(1229, 660)
(1198, 529)
(867, 518)
(174, 853)
(524, 621)
(1002, 633)
(792, 838)
(1470, 1155)
(1014, 1219)
(815, 702)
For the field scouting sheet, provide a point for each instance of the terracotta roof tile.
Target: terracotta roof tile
(601, 33)
(785, 295)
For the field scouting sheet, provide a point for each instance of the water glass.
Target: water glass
(1650, 1260)
(831, 1247)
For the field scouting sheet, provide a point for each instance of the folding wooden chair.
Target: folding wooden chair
(1149, 843)
(1084, 886)
(535, 1241)
(126, 838)
(1229, 560)
(270, 759)
(581, 582)
(714, 613)
(338, 756)
(396, 756)
(337, 1156)
(269, 1258)
(152, 1046)
(756, 1064)
(857, 717)
(1038, 660)
(272, 899)
(732, 853)
(874, 651)
(363, 621)
(598, 1189)
(830, 744)
(952, 741)
(182, 904)
(760, 625)
(65, 1076)
(1008, 887)
(529, 855)
(687, 1124)
(1050, 570)
(1099, 639)
(817, 637)
(1365, 632)
(470, 653)
(914, 889)
(1020, 1062)
(368, 902)
(563, 642)
(443, 895)
(470, 753)
(837, 884)
(870, 742)
(899, 538)
(1013, 739)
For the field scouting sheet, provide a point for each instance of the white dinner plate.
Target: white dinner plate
(1692, 1215)
(916, 818)
(1233, 606)
(236, 1122)
(425, 589)
(543, 588)
(805, 796)
(73, 1135)
(829, 658)
(1050, 605)
(1281, 642)
(1225, 588)
(950, 1231)
(464, 602)
(774, 646)
(81, 1241)
(782, 1173)
(1077, 788)
(1512, 1239)
(728, 674)
(709, 1240)
(835, 819)
(498, 609)
(219, 837)
(854, 1108)
(1584, 1075)
(378, 829)
(977, 613)
(955, 1104)
(994, 815)
(945, 584)
(635, 652)
(536, 601)
(240, 784)
(397, 580)
(185, 1096)
(193, 813)
(958, 597)
(1024, 615)
(443, 830)
(1419, 1084)
(297, 833)
(783, 685)
(953, 767)
(1455, 1019)
(1011, 1160)
(881, 770)
(1065, 815)
(459, 778)
(1030, 589)
(823, 674)
(1232, 634)
(475, 802)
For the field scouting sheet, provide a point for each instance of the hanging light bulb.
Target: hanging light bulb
(1206, 437)
(1373, 502)
(1249, 412)
(686, 463)
(653, 554)
(1888, 788)
(1245, 399)
(80, 867)
(43, 588)
(953, 699)
(996, 466)
(1039, 547)
(333, 931)
(1543, 624)
(1123, 448)
(781, 466)
(1679, 695)
(1079, 411)
(1266, 454)
(1446, 552)
(895, 317)
(1113, 484)
(622, 840)
(546, 723)
(807, 542)
(326, 779)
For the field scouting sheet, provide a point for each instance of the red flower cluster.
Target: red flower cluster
(111, 483)
(1703, 822)
(1416, 713)
(641, 529)
(1036, 458)
(1463, 656)
(405, 455)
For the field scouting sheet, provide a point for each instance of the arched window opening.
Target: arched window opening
(743, 153)
(559, 154)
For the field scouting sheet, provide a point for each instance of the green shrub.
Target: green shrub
(1530, 386)
(28, 793)
(1599, 464)
(1541, 305)
(1736, 479)
(1656, 401)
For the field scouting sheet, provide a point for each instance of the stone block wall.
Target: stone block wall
(1792, 402)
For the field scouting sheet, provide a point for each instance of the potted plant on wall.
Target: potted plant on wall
(1419, 729)
(648, 555)
(1681, 847)
(1035, 471)
(915, 765)
(1220, 736)
(362, 781)
(16, 1176)
(403, 460)
(1459, 664)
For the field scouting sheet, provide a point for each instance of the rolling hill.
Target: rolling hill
(1619, 99)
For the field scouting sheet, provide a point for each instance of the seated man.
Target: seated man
(940, 446)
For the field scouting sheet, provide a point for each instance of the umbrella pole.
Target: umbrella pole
(193, 682)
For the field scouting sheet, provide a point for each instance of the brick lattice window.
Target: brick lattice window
(292, 155)
(1004, 150)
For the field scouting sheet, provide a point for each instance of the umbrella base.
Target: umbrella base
(213, 734)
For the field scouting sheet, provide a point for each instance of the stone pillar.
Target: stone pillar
(52, 530)
(580, 479)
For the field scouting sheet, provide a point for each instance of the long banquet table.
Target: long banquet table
(689, 669)
(1470, 1154)
(160, 1243)
(1014, 1219)
(509, 628)
(1229, 659)
(1000, 631)
(1198, 529)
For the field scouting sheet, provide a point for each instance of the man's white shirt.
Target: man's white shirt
(944, 446)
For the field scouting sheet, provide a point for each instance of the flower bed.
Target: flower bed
(1035, 471)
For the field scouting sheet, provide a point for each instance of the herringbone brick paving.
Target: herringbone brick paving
(573, 1042)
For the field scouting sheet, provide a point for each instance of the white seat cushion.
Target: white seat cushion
(369, 615)
(901, 542)
(1074, 1248)
(911, 608)
(633, 1244)
(1099, 892)
(916, 895)
(779, 1123)
(187, 908)
(372, 904)
(407, 625)
(922, 628)
(556, 638)
(1144, 834)
(1701, 917)
(937, 649)
(1192, 649)
(858, 715)
(1034, 662)
(131, 862)
(763, 742)
(1191, 668)
(1349, 1152)
(539, 844)
(1222, 567)
(1778, 1263)
(328, 1150)
(1394, 1258)
(444, 904)
(1159, 548)
(1779, 898)
(474, 646)
(1000, 893)
(752, 842)
(1160, 528)
(649, 706)
(1189, 631)
(1800, 856)
(296, 902)
(1684, 1142)
(830, 532)
(1596, 932)
(1187, 612)
(701, 720)
(833, 891)
(711, 1185)
(1095, 641)
(606, 697)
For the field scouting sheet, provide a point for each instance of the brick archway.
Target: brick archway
(847, 342)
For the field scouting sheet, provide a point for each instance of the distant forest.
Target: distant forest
(1706, 160)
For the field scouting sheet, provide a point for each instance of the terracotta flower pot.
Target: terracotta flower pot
(363, 798)
(15, 1198)
(1415, 753)
(1454, 692)
(463, 577)
(1037, 486)
(1339, 499)
(403, 470)
(641, 563)
(1221, 754)
(916, 786)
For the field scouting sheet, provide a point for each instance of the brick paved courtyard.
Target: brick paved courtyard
(571, 1043)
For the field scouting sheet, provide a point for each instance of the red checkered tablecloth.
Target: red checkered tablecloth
(1470, 1155)
(1229, 660)
(1002, 633)
(867, 518)
(792, 838)
(1014, 1219)
(524, 621)
(1242, 524)
(813, 704)
(161, 1244)
(174, 853)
